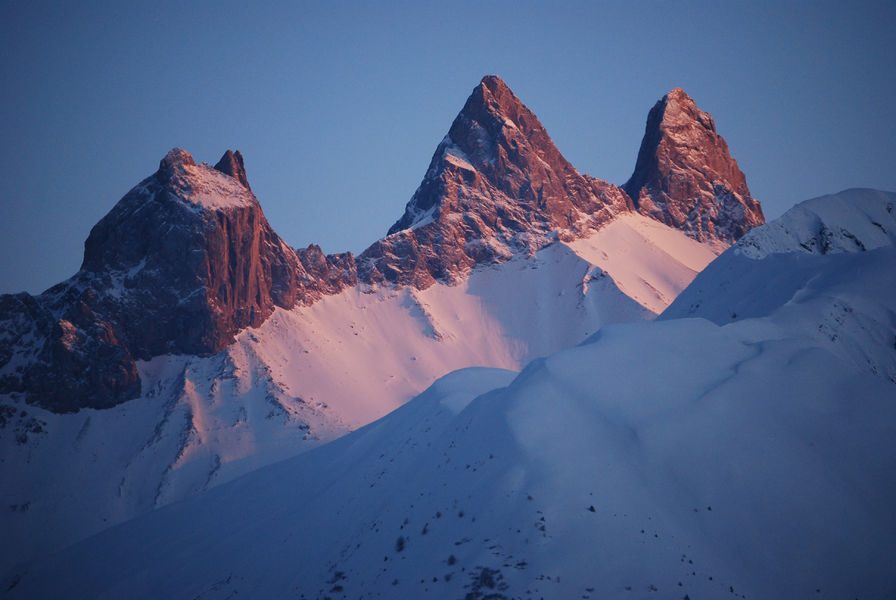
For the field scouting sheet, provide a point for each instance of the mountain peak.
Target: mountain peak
(678, 94)
(493, 88)
(493, 105)
(181, 264)
(232, 164)
(496, 185)
(686, 177)
(175, 160)
(493, 82)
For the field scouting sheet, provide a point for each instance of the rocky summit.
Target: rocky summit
(187, 259)
(183, 262)
(686, 177)
(496, 185)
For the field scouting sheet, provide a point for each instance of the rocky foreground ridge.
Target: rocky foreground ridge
(187, 259)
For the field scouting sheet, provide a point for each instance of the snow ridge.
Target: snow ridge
(853, 220)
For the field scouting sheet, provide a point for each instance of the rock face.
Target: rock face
(496, 185)
(686, 177)
(191, 251)
(187, 259)
(182, 263)
(62, 354)
(331, 273)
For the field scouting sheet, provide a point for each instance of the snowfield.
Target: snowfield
(312, 374)
(744, 455)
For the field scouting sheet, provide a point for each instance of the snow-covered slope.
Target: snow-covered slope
(312, 373)
(674, 458)
(801, 268)
(502, 316)
(853, 220)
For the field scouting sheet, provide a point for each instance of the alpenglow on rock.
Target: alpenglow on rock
(187, 259)
(496, 185)
(232, 164)
(686, 177)
(198, 259)
(183, 262)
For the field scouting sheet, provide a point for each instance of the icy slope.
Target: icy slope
(313, 373)
(655, 460)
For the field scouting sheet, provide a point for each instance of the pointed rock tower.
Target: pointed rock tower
(686, 177)
(496, 185)
(232, 164)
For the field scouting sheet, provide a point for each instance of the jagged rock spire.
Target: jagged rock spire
(232, 164)
(496, 185)
(686, 177)
(498, 142)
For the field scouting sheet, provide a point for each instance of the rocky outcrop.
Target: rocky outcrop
(496, 185)
(686, 177)
(331, 273)
(63, 357)
(182, 263)
(232, 164)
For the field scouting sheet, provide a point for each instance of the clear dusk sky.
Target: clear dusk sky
(338, 106)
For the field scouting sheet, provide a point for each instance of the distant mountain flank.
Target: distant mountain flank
(187, 259)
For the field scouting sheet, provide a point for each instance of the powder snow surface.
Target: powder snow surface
(312, 374)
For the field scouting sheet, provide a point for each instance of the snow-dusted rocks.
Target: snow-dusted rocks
(187, 259)
(202, 262)
(853, 220)
(686, 177)
(496, 186)
(232, 164)
(183, 262)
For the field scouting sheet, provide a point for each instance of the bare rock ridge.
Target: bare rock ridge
(686, 177)
(187, 259)
(496, 185)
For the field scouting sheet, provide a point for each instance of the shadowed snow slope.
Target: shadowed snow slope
(313, 373)
(803, 270)
(662, 458)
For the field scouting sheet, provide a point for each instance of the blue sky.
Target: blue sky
(338, 106)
